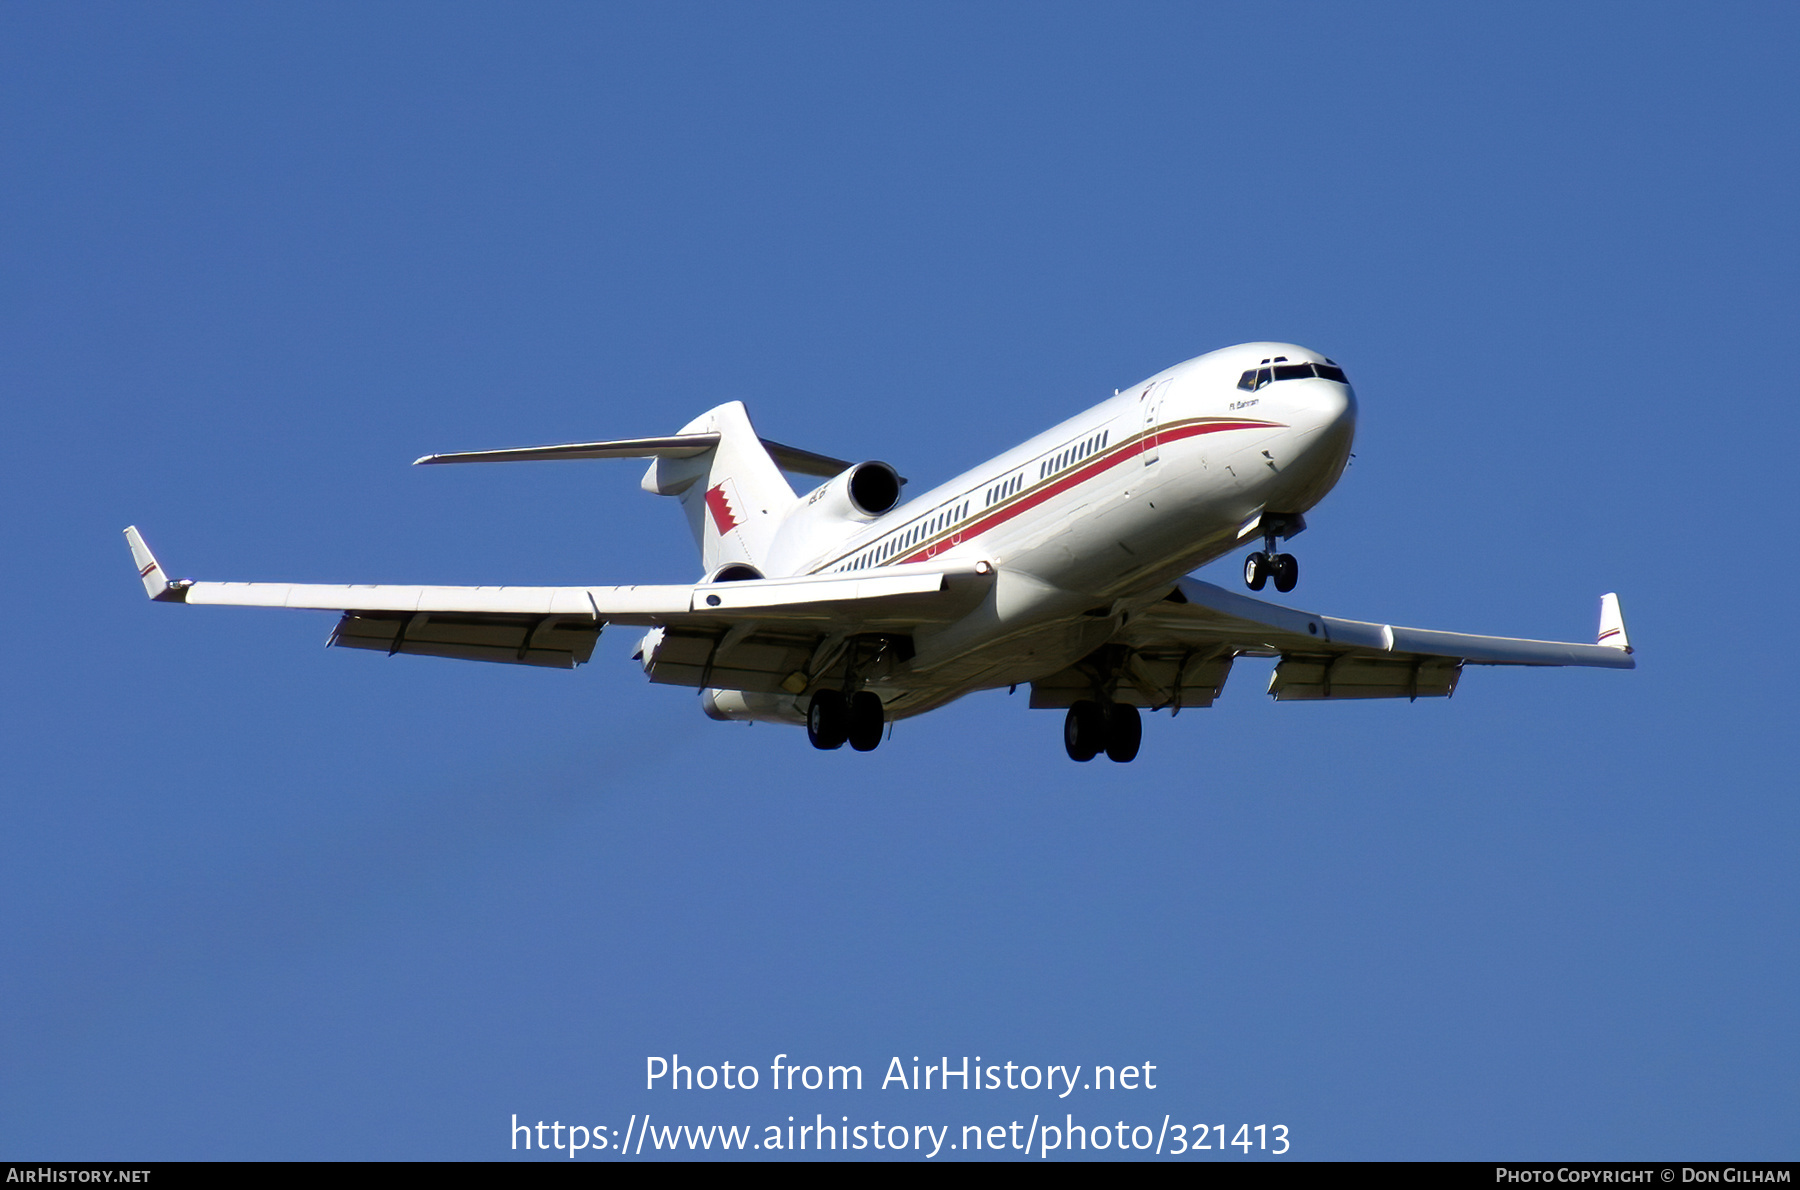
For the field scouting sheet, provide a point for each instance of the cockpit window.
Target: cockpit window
(1255, 378)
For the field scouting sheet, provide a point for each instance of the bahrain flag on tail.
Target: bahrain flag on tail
(722, 507)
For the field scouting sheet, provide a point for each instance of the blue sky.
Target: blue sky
(263, 900)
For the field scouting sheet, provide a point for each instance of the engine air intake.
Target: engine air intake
(874, 488)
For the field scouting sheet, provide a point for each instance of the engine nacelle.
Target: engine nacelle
(833, 511)
(744, 706)
(862, 493)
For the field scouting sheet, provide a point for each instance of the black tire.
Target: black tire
(1256, 570)
(828, 720)
(1287, 572)
(1124, 731)
(1084, 730)
(867, 719)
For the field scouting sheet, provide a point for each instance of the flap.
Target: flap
(514, 640)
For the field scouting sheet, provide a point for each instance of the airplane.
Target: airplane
(1062, 564)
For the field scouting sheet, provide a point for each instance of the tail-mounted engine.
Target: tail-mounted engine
(863, 493)
(835, 510)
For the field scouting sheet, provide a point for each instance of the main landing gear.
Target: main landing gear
(833, 718)
(850, 714)
(1091, 728)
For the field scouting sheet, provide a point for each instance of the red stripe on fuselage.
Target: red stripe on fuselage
(1032, 497)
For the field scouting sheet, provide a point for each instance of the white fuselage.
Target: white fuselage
(1099, 515)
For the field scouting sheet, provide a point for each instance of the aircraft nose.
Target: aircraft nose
(1331, 404)
(1329, 407)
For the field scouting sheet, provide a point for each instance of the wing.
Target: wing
(774, 631)
(1180, 652)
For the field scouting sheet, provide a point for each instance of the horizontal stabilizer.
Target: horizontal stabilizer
(673, 446)
(805, 462)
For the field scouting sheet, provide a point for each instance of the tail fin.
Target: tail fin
(734, 512)
(734, 493)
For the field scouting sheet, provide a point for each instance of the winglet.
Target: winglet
(156, 583)
(1612, 624)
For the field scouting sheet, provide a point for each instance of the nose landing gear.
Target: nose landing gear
(1266, 564)
(1262, 566)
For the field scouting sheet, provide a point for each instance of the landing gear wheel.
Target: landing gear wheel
(1124, 731)
(1084, 731)
(866, 720)
(1286, 571)
(1256, 570)
(828, 720)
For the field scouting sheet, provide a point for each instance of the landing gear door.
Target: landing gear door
(1150, 402)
